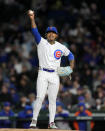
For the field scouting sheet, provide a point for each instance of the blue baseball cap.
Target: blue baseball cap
(12, 86)
(58, 103)
(52, 29)
(7, 104)
(81, 104)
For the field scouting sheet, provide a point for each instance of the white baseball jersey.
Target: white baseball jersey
(50, 55)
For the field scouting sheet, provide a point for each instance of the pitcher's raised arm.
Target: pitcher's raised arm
(35, 32)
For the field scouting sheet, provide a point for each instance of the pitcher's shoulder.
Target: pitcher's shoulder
(58, 43)
(42, 42)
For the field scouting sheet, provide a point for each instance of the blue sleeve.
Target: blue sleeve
(36, 35)
(70, 56)
(11, 113)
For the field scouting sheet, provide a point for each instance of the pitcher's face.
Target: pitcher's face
(51, 36)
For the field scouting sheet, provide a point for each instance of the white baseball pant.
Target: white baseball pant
(46, 80)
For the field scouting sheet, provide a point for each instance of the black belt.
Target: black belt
(48, 70)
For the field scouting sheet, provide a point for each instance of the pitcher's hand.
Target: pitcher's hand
(31, 14)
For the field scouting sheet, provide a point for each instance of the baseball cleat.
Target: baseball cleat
(52, 126)
(33, 127)
(33, 124)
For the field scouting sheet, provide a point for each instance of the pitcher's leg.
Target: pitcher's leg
(41, 92)
(52, 95)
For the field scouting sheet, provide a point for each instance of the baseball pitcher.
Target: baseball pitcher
(49, 54)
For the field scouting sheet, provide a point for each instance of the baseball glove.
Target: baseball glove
(64, 71)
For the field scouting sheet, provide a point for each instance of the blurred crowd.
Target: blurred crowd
(81, 28)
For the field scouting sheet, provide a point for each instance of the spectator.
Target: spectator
(98, 104)
(23, 85)
(6, 111)
(31, 99)
(5, 95)
(80, 99)
(81, 125)
(89, 100)
(80, 91)
(14, 94)
(26, 113)
(76, 85)
(62, 114)
(22, 103)
(68, 98)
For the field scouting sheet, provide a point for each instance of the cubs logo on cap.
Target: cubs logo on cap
(57, 54)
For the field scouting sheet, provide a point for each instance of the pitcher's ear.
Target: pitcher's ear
(56, 36)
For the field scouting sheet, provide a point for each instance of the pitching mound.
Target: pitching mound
(32, 130)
